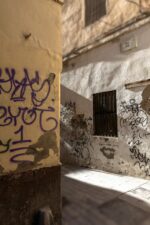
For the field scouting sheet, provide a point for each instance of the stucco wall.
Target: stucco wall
(104, 69)
(30, 65)
(76, 34)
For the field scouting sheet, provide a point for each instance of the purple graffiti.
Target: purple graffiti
(28, 117)
(5, 146)
(38, 92)
(21, 140)
(14, 160)
(18, 89)
(33, 115)
(10, 146)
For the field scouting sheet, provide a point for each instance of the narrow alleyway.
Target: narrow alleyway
(99, 198)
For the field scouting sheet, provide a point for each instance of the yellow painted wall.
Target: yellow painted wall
(30, 66)
(76, 34)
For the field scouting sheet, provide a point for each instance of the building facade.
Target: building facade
(105, 117)
(30, 67)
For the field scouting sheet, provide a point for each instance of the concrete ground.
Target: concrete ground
(99, 198)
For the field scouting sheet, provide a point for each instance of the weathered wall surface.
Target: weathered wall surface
(30, 64)
(118, 13)
(105, 69)
(30, 67)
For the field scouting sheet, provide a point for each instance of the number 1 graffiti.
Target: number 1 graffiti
(15, 146)
(37, 92)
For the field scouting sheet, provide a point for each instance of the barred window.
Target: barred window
(94, 10)
(105, 114)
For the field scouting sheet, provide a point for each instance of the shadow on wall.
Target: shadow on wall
(76, 128)
(130, 154)
(83, 105)
(72, 12)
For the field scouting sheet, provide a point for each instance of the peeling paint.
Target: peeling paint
(40, 150)
(106, 139)
(51, 78)
(29, 83)
(97, 71)
(75, 130)
(78, 121)
(109, 153)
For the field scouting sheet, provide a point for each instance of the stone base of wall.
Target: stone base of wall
(22, 195)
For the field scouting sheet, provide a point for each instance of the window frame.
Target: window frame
(107, 114)
(88, 18)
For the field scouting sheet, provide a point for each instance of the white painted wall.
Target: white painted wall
(105, 69)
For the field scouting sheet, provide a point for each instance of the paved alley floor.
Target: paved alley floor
(99, 198)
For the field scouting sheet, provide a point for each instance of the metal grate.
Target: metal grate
(94, 10)
(105, 114)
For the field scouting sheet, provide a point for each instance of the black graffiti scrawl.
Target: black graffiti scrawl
(108, 152)
(135, 120)
(76, 132)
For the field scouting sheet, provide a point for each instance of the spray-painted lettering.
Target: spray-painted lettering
(36, 91)
(136, 119)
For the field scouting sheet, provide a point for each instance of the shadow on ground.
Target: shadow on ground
(86, 204)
